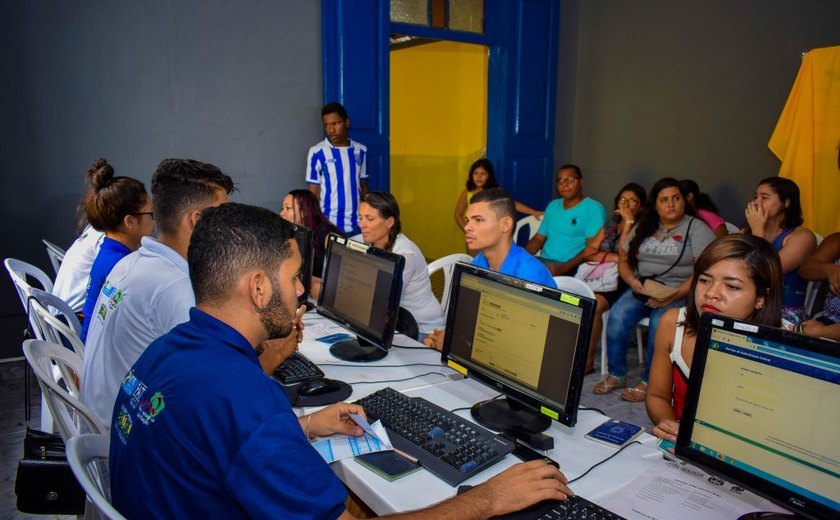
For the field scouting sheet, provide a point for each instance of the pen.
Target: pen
(405, 455)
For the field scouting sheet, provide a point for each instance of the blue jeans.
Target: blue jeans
(624, 314)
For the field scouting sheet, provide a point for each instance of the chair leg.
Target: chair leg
(604, 367)
(639, 344)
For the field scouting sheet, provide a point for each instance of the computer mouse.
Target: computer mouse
(318, 387)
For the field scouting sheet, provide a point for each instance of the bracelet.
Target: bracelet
(799, 328)
(630, 222)
(308, 422)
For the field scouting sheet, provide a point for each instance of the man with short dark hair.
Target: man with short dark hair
(490, 222)
(336, 170)
(148, 292)
(200, 431)
(570, 225)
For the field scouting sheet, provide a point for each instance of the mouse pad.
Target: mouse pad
(341, 394)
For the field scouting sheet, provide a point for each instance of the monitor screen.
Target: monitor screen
(763, 410)
(361, 290)
(303, 237)
(523, 339)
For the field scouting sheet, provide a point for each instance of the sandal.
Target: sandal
(635, 394)
(608, 384)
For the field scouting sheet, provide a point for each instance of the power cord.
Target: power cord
(397, 380)
(603, 461)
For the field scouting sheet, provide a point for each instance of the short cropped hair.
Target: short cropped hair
(230, 240)
(181, 185)
(500, 201)
(334, 108)
(578, 172)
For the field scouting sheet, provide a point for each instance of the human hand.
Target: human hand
(833, 278)
(335, 418)
(626, 214)
(668, 430)
(539, 214)
(637, 286)
(756, 216)
(434, 340)
(523, 485)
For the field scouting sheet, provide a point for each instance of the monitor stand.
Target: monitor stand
(502, 414)
(357, 350)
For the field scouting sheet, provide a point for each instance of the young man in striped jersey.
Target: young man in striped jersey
(336, 170)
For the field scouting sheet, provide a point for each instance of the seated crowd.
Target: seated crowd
(218, 287)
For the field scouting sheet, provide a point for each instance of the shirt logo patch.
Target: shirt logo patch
(130, 383)
(108, 289)
(123, 424)
(150, 408)
(102, 311)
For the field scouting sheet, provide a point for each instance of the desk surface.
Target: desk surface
(450, 390)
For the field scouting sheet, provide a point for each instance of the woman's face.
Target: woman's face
(479, 177)
(769, 200)
(290, 210)
(670, 205)
(375, 229)
(629, 200)
(726, 288)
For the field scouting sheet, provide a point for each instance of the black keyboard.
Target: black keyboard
(449, 446)
(296, 369)
(573, 508)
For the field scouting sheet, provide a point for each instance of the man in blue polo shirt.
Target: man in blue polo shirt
(490, 222)
(200, 431)
(569, 226)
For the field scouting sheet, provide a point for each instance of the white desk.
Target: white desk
(574, 453)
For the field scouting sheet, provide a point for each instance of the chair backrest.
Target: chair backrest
(573, 285)
(407, 325)
(88, 455)
(447, 264)
(57, 323)
(19, 271)
(72, 417)
(812, 290)
(533, 224)
(732, 228)
(55, 253)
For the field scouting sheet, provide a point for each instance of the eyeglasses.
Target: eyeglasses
(566, 180)
(629, 202)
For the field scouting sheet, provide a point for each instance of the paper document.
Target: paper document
(675, 490)
(339, 447)
(322, 328)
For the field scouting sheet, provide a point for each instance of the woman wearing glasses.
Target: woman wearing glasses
(627, 205)
(121, 208)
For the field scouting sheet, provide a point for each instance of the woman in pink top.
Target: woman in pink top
(704, 207)
(739, 276)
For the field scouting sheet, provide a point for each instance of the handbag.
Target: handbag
(655, 289)
(45, 484)
(600, 276)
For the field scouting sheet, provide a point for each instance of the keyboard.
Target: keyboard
(297, 368)
(573, 508)
(452, 448)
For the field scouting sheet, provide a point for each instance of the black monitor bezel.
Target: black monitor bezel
(567, 414)
(384, 342)
(784, 497)
(306, 259)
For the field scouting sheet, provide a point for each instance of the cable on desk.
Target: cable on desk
(603, 461)
(585, 408)
(396, 380)
(470, 407)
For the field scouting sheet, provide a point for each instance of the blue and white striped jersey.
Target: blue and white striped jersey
(338, 171)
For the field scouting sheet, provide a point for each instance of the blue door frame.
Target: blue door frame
(522, 36)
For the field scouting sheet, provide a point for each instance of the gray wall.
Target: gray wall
(237, 84)
(681, 88)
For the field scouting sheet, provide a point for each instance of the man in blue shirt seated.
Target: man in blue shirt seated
(200, 431)
(490, 222)
(569, 226)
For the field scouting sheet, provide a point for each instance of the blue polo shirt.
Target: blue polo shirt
(200, 431)
(521, 264)
(110, 252)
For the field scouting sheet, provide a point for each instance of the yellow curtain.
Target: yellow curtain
(807, 136)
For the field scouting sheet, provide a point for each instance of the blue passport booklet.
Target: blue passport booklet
(615, 433)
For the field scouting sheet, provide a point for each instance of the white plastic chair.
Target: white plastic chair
(533, 224)
(574, 285)
(71, 416)
(88, 455)
(55, 253)
(447, 264)
(811, 292)
(732, 228)
(49, 310)
(19, 271)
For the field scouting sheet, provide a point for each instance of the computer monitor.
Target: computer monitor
(524, 340)
(763, 411)
(303, 237)
(361, 290)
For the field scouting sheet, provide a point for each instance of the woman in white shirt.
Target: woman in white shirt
(379, 219)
